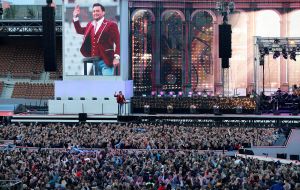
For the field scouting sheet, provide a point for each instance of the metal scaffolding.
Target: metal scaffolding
(285, 46)
(25, 27)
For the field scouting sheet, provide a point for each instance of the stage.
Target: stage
(248, 119)
(66, 118)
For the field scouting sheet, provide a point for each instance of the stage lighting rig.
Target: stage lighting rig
(225, 8)
(286, 46)
(284, 53)
(276, 54)
(293, 54)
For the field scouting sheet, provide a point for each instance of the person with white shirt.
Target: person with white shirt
(101, 39)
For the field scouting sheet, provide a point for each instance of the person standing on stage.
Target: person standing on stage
(101, 39)
(121, 101)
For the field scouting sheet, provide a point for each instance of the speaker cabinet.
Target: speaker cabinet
(282, 156)
(49, 38)
(20, 108)
(225, 41)
(241, 151)
(294, 157)
(225, 62)
(82, 117)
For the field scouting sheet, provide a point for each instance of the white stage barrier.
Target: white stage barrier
(99, 106)
(103, 89)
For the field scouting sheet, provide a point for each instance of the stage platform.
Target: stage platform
(249, 119)
(70, 118)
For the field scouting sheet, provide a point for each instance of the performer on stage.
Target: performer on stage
(121, 101)
(100, 37)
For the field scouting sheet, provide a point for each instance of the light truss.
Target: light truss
(278, 44)
(25, 27)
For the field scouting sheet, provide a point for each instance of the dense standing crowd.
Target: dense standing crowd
(124, 169)
(138, 136)
(139, 156)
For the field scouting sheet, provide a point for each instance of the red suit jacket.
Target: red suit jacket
(120, 98)
(106, 36)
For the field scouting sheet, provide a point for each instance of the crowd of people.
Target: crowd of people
(147, 169)
(202, 104)
(281, 100)
(139, 156)
(137, 136)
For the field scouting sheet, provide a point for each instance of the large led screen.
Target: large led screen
(91, 38)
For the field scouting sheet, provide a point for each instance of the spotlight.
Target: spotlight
(161, 93)
(199, 93)
(219, 6)
(261, 60)
(193, 109)
(293, 54)
(276, 54)
(180, 93)
(146, 109)
(231, 6)
(172, 94)
(284, 53)
(216, 110)
(170, 109)
(153, 93)
(266, 51)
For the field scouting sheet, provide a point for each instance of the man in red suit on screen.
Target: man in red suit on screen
(101, 39)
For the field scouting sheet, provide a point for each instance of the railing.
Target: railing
(26, 26)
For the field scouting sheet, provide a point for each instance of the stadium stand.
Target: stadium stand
(22, 58)
(58, 74)
(33, 90)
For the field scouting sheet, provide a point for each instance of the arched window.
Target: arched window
(294, 66)
(268, 25)
(171, 50)
(238, 61)
(201, 50)
(141, 40)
